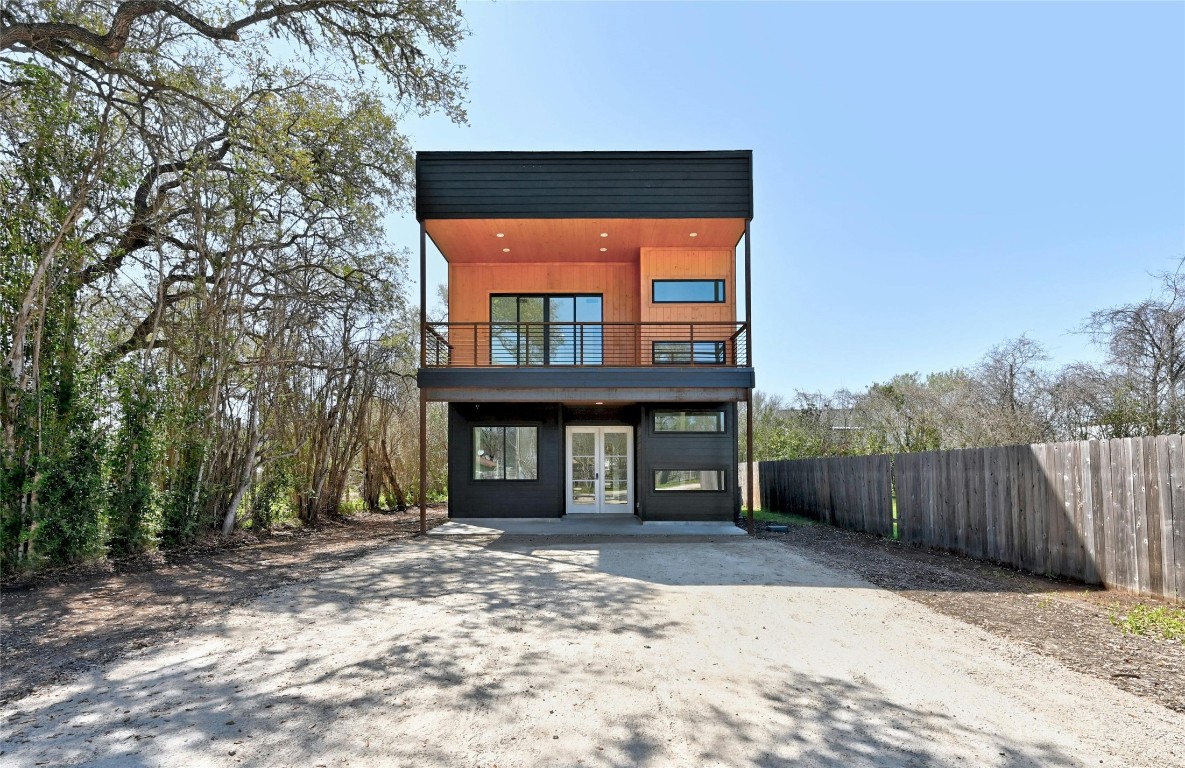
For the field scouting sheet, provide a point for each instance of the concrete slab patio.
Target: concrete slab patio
(581, 525)
(513, 651)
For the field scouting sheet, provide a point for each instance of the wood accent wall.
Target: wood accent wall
(685, 263)
(470, 286)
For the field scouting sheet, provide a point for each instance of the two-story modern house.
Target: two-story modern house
(593, 358)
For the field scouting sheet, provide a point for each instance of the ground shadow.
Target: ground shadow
(442, 653)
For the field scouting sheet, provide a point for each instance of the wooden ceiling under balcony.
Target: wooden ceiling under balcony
(574, 240)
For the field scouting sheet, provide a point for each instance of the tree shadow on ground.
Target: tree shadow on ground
(446, 653)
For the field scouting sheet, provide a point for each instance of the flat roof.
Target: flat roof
(576, 185)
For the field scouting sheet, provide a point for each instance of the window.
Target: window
(687, 292)
(505, 453)
(688, 353)
(545, 330)
(689, 421)
(689, 480)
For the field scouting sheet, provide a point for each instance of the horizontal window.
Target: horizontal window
(689, 421)
(687, 292)
(688, 353)
(505, 453)
(689, 479)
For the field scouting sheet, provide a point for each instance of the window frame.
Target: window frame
(720, 290)
(654, 480)
(721, 359)
(519, 361)
(719, 412)
(473, 445)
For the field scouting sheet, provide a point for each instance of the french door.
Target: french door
(600, 469)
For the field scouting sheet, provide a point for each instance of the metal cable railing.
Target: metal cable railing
(583, 344)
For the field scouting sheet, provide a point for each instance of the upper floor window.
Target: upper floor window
(688, 292)
(688, 352)
(546, 330)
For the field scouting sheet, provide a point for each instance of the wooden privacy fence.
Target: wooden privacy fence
(1101, 511)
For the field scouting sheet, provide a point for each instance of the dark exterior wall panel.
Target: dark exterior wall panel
(687, 451)
(528, 185)
(545, 497)
(499, 498)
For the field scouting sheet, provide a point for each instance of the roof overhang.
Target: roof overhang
(574, 240)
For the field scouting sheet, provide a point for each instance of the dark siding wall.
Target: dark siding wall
(489, 498)
(687, 451)
(575, 185)
(545, 497)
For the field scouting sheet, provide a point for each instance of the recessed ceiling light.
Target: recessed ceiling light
(604, 249)
(604, 234)
(694, 234)
(500, 234)
(505, 250)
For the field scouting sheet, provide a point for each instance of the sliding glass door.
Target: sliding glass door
(545, 330)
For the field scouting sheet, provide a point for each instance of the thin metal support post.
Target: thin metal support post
(748, 297)
(423, 296)
(423, 463)
(749, 457)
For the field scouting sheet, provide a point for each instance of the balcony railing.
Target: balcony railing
(575, 345)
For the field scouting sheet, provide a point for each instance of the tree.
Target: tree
(204, 217)
(1012, 393)
(1145, 344)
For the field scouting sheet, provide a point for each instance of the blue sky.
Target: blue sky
(930, 178)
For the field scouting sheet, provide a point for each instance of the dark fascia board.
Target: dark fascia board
(666, 377)
(541, 185)
(668, 396)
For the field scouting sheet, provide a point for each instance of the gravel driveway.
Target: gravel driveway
(507, 652)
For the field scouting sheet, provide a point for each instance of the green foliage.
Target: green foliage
(272, 501)
(133, 504)
(70, 497)
(183, 516)
(1161, 621)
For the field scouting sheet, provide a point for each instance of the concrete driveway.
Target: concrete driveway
(597, 652)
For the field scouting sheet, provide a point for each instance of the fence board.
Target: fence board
(1097, 552)
(1013, 455)
(1075, 511)
(1139, 517)
(1055, 508)
(1152, 517)
(1177, 489)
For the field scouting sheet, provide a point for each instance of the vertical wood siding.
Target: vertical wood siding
(470, 287)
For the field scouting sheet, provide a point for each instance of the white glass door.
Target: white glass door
(600, 468)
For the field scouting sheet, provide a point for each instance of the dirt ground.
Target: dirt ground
(62, 623)
(360, 644)
(1062, 620)
(483, 651)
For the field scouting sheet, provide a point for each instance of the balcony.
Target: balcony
(586, 362)
(584, 345)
